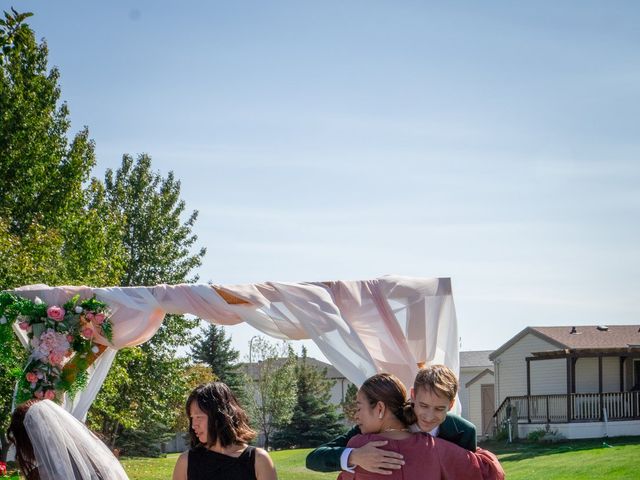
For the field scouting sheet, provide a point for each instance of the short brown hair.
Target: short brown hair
(438, 379)
(227, 421)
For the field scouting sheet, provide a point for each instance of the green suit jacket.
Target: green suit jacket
(326, 458)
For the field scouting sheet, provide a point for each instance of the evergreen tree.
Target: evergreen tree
(315, 420)
(214, 349)
(348, 405)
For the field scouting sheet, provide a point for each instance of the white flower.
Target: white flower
(37, 301)
(78, 309)
(95, 349)
(3, 320)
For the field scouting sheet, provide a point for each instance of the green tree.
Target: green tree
(213, 347)
(315, 420)
(272, 390)
(132, 410)
(48, 231)
(349, 403)
(41, 170)
(194, 375)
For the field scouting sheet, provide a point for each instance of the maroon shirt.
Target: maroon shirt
(429, 458)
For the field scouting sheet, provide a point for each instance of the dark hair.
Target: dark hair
(17, 434)
(388, 389)
(227, 421)
(438, 379)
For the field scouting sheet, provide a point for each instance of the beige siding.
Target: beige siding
(466, 374)
(475, 410)
(548, 377)
(587, 375)
(511, 367)
(610, 374)
(475, 405)
(339, 390)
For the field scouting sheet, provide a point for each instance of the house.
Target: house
(582, 380)
(476, 392)
(340, 385)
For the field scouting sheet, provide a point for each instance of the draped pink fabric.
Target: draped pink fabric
(388, 324)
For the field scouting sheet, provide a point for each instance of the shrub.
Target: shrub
(552, 437)
(536, 435)
(546, 436)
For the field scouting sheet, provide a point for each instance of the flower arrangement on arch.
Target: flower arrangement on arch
(61, 342)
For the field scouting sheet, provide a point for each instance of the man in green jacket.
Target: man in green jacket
(432, 396)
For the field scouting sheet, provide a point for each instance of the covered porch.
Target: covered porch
(575, 407)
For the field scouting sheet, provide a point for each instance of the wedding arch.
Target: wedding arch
(388, 324)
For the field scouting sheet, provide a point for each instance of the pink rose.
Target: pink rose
(70, 338)
(87, 332)
(55, 358)
(32, 377)
(88, 315)
(25, 326)
(50, 394)
(55, 313)
(99, 318)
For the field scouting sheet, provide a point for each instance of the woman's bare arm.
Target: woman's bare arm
(265, 470)
(180, 470)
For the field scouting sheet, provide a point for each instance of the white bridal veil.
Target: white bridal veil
(66, 449)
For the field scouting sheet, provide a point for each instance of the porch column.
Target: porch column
(528, 389)
(600, 387)
(568, 389)
(622, 360)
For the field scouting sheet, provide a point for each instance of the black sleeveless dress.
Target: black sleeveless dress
(205, 464)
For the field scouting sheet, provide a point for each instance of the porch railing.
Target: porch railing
(577, 407)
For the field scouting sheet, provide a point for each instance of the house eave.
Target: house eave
(519, 336)
(630, 351)
(478, 377)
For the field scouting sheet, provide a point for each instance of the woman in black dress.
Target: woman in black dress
(220, 433)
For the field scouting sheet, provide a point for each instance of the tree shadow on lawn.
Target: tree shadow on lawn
(521, 450)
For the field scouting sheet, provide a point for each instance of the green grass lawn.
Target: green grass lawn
(616, 458)
(583, 459)
(289, 463)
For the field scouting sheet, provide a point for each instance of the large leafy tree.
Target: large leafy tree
(315, 419)
(213, 348)
(132, 411)
(41, 170)
(272, 387)
(49, 233)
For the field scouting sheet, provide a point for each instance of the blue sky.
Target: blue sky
(495, 143)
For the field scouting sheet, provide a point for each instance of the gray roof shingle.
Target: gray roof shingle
(476, 358)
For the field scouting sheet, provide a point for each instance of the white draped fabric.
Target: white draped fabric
(389, 324)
